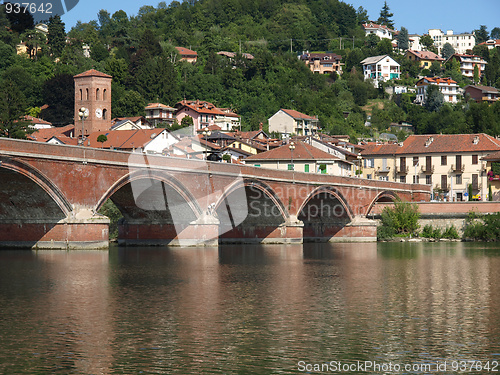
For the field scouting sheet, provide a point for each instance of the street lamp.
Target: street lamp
(83, 113)
(359, 157)
(206, 132)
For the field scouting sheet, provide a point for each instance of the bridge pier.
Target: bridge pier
(202, 232)
(79, 231)
(360, 229)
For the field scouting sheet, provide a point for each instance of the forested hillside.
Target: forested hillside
(139, 52)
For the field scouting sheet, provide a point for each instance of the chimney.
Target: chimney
(260, 126)
(476, 140)
(429, 141)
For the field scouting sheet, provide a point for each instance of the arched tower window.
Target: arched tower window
(104, 114)
(97, 94)
(86, 94)
(81, 94)
(104, 94)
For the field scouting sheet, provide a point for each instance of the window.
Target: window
(81, 94)
(474, 159)
(428, 179)
(415, 179)
(383, 178)
(104, 94)
(256, 165)
(402, 164)
(444, 182)
(368, 176)
(104, 114)
(475, 179)
(97, 94)
(443, 160)
(459, 179)
(290, 167)
(402, 179)
(415, 161)
(306, 167)
(86, 94)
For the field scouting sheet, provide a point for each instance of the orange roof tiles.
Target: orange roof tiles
(92, 73)
(157, 105)
(426, 55)
(298, 115)
(186, 52)
(43, 135)
(123, 139)
(200, 106)
(302, 151)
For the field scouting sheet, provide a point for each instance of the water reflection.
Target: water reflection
(246, 309)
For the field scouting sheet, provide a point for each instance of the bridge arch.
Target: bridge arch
(40, 180)
(162, 190)
(327, 190)
(384, 196)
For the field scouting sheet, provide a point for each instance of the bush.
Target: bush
(451, 233)
(430, 232)
(402, 219)
(483, 227)
(110, 210)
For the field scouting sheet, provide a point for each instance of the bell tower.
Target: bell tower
(92, 92)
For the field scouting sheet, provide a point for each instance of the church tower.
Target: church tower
(92, 92)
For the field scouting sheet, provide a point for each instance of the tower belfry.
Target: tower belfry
(92, 92)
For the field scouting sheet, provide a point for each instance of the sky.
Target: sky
(417, 16)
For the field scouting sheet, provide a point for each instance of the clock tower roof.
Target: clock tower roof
(92, 73)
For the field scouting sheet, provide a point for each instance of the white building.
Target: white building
(447, 86)
(460, 42)
(380, 68)
(467, 64)
(288, 122)
(381, 31)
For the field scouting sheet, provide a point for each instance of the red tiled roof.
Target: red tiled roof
(157, 105)
(297, 115)
(36, 120)
(372, 25)
(426, 55)
(92, 73)
(200, 106)
(492, 157)
(124, 139)
(436, 143)
(66, 140)
(186, 52)
(43, 135)
(302, 151)
(436, 80)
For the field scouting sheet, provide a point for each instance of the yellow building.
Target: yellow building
(425, 58)
(448, 162)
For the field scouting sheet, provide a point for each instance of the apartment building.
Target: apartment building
(323, 63)
(447, 86)
(468, 63)
(461, 43)
(289, 121)
(382, 31)
(448, 162)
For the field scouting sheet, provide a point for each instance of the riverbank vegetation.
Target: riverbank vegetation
(480, 227)
(400, 220)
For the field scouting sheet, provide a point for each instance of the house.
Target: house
(468, 63)
(37, 123)
(448, 162)
(414, 42)
(461, 43)
(447, 86)
(157, 113)
(297, 156)
(381, 31)
(130, 123)
(425, 58)
(380, 68)
(193, 147)
(45, 134)
(232, 55)
(493, 174)
(323, 63)
(288, 122)
(482, 93)
(491, 44)
(151, 141)
(206, 114)
(187, 54)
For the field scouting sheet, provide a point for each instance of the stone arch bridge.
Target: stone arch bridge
(50, 195)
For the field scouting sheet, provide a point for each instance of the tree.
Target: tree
(434, 98)
(385, 17)
(481, 34)
(101, 139)
(362, 15)
(428, 43)
(57, 35)
(476, 74)
(495, 33)
(187, 121)
(435, 68)
(403, 39)
(447, 51)
(12, 107)
(59, 94)
(20, 21)
(33, 40)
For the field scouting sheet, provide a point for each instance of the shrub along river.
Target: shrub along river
(251, 309)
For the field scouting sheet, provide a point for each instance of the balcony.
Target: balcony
(385, 169)
(403, 170)
(457, 168)
(427, 169)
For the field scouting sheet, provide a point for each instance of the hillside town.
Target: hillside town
(438, 71)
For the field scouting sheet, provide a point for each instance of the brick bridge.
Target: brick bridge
(50, 195)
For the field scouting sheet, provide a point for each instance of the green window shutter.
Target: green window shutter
(306, 168)
(290, 167)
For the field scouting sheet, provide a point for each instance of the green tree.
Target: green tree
(447, 51)
(476, 74)
(362, 15)
(403, 39)
(495, 33)
(386, 17)
(33, 40)
(131, 103)
(481, 34)
(59, 94)
(56, 38)
(187, 121)
(12, 107)
(428, 43)
(101, 139)
(434, 98)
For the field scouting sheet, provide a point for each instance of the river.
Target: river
(312, 308)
